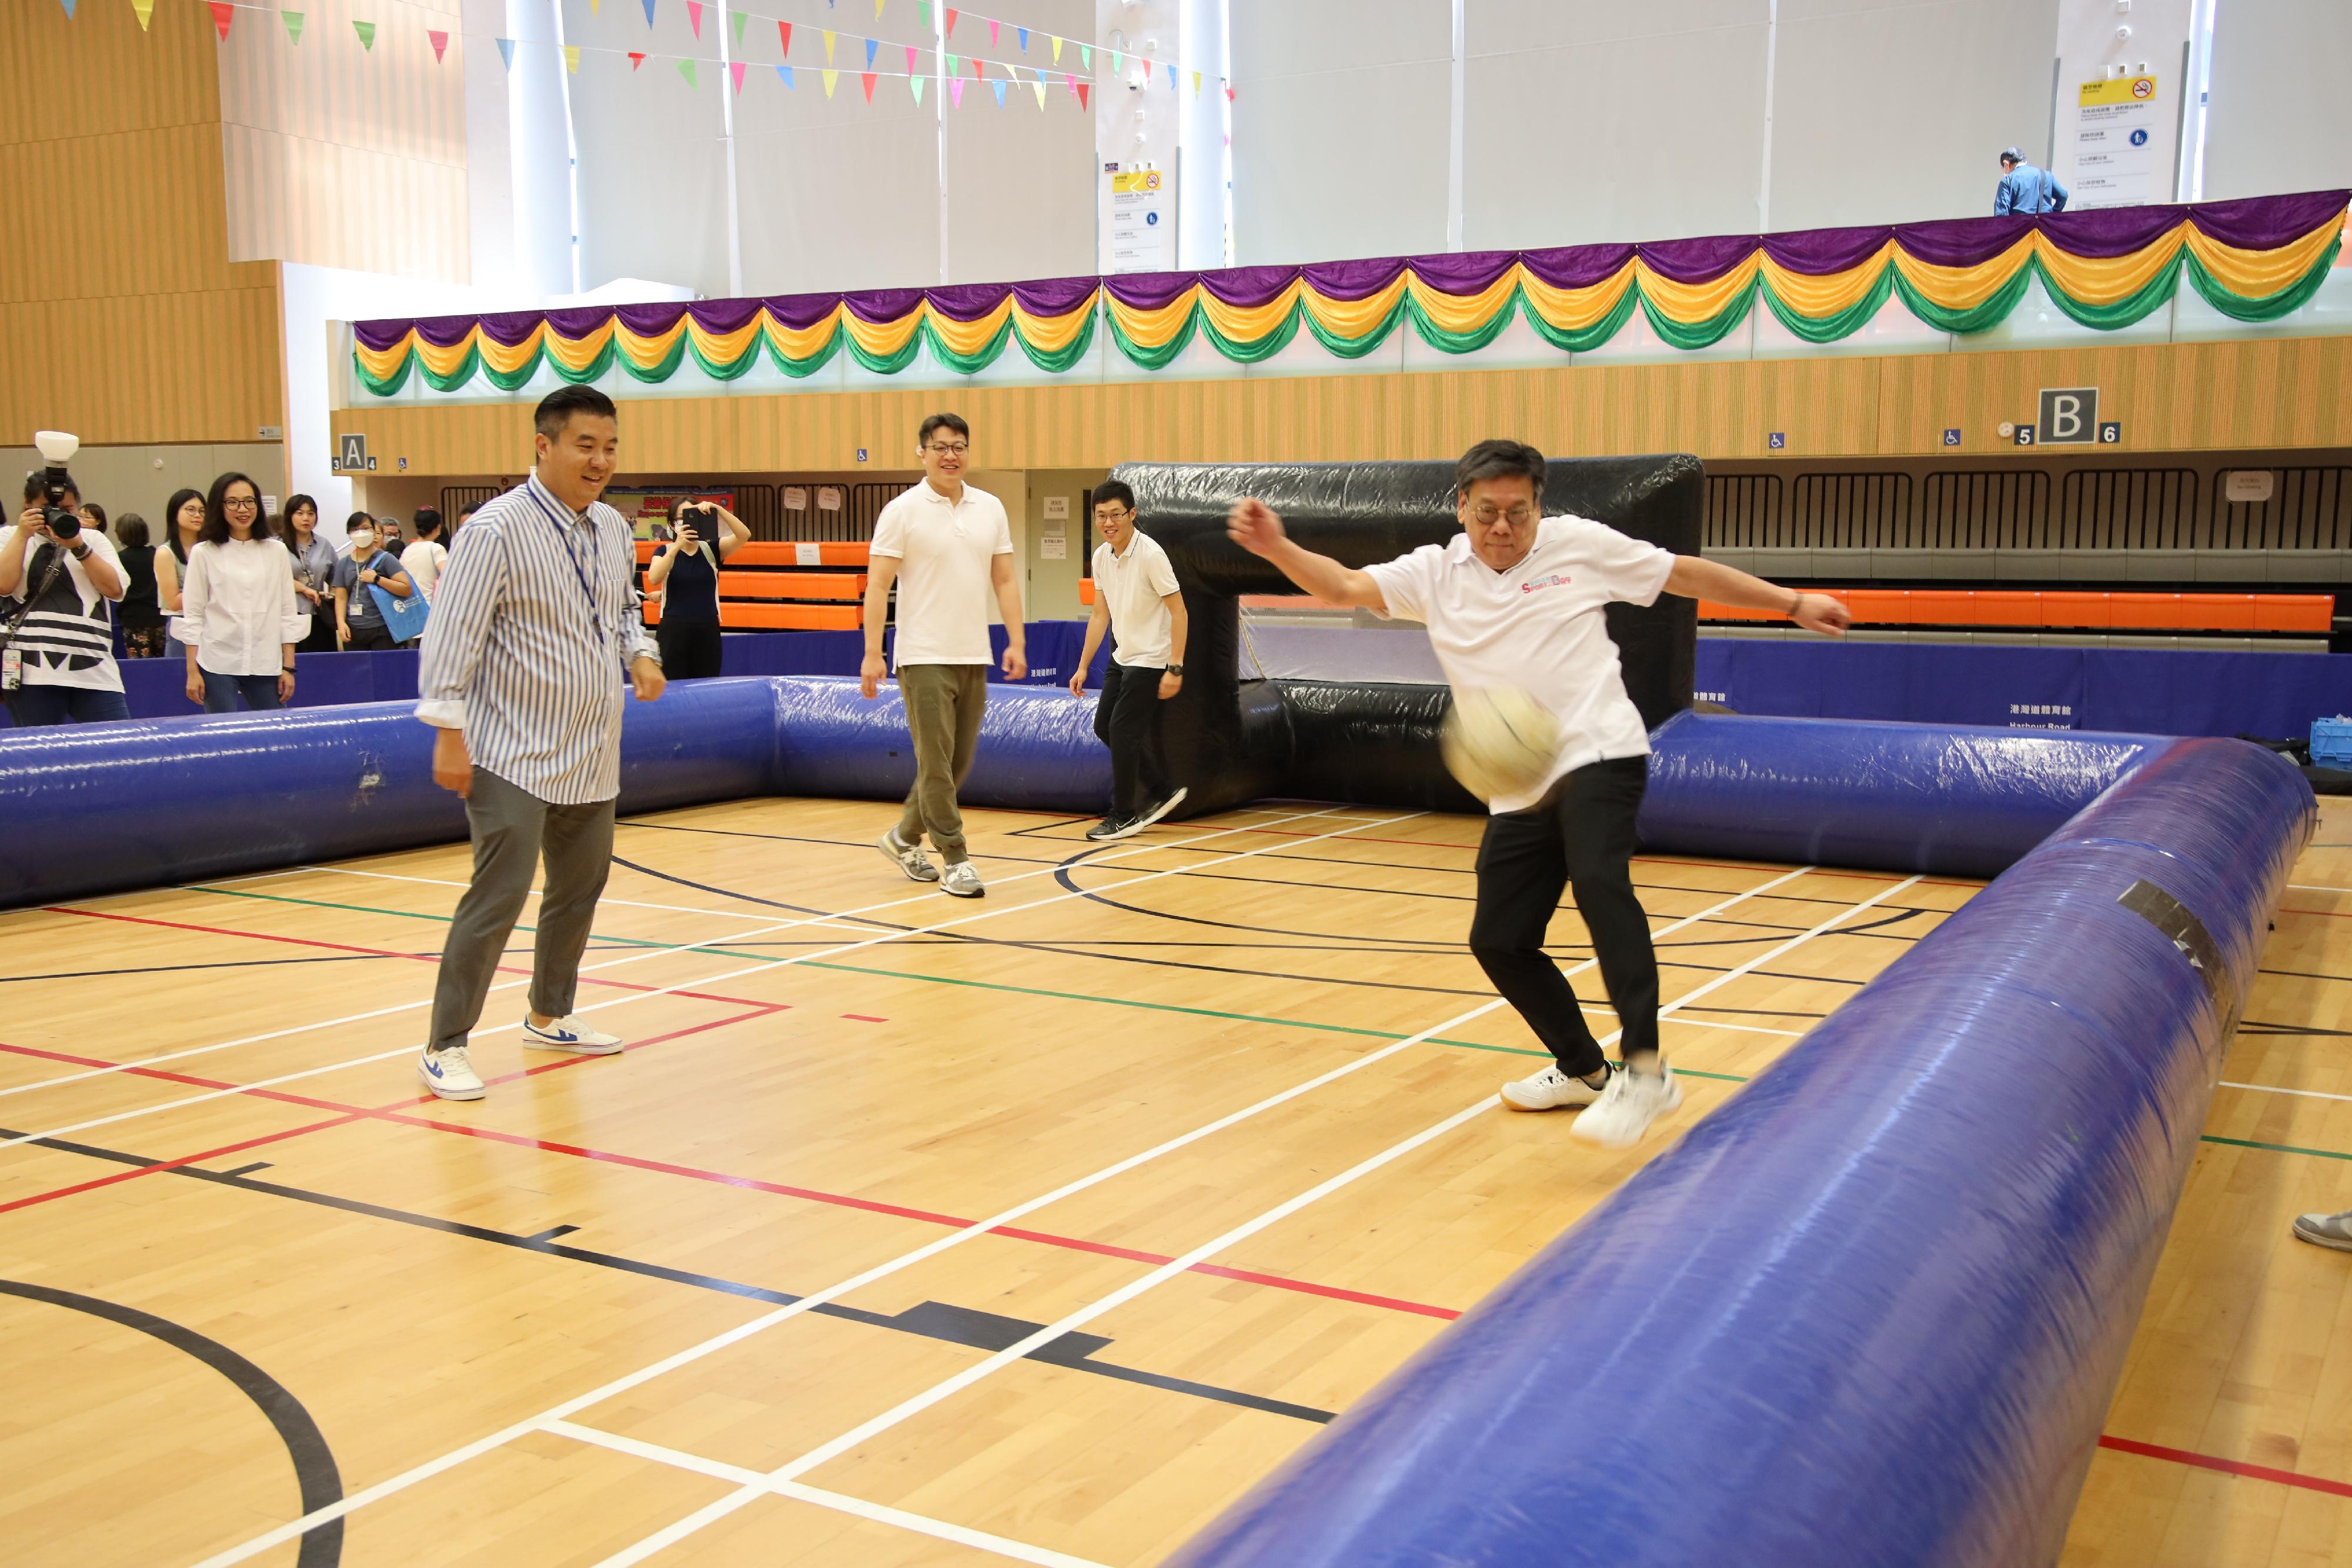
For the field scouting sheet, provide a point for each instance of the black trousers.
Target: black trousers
(1580, 837)
(690, 648)
(1126, 718)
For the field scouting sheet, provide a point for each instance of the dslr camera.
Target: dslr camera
(57, 450)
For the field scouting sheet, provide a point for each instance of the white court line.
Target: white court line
(921, 1523)
(824, 1453)
(2316, 887)
(655, 953)
(2273, 1089)
(601, 903)
(431, 1467)
(762, 967)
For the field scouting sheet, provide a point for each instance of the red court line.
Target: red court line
(2227, 1467)
(394, 1112)
(182, 1160)
(389, 953)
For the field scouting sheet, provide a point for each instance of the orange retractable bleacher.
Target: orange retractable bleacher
(782, 586)
(2056, 609)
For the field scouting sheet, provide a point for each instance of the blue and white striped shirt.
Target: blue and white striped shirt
(534, 625)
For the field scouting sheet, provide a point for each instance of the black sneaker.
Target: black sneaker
(1110, 828)
(1151, 814)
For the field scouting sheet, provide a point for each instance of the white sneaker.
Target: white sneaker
(1550, 1090)
(1151, 814)
(450, 1073)
(1627, 1107)
(567, 1033)
(908, 858)
(962, 879)
(2326, 1230)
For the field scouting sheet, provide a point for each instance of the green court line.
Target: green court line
(2275, 1148)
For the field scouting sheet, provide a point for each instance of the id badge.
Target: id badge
(12, 668)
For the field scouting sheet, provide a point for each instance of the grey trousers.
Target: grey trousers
(511, 829)
(944, 704)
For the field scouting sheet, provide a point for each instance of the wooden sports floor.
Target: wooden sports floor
(913, 1231)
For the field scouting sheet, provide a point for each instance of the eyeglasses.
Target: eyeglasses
(240, 503)
(949, 449)
(1518, 516)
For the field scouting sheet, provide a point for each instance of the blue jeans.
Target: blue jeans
(33, 706)
(221, 692)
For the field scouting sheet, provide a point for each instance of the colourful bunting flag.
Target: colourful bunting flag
(1196, 84)
(69, 5)
(923, 15)
(1172, 78)
(785, 30)
(1083, 88)
(867, 78)
(877, 16)
(1057, 48)
(1073, 82)
(992, 24)
(999, 93)
(1117, 63)
(595, 7)
(916, 83)
(978, 70)
(440, 42)
(686, 69)
(955, 91)
(735, 68)
(1038, 87)
(1087, 57)
(952, 13)
(831, 78)
(694, 16)
(572, 59)
(506, 52)
(146, 9)
(911, 59)
(828, 48)
(871, 45)
(955, 66)
(1229, 93)
(650, 13)
(635, 60)
(740, 17)
(366, 30)
(1024, 38)
(293, 20)
(785, 72)
(223, 14)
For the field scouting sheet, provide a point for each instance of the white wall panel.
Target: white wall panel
(1891, 110)
(2280, 118)
(1021, 178)
(1590, 120)
(653, 192)
(1340, 125)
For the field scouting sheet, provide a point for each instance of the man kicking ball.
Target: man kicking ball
(1517, 600)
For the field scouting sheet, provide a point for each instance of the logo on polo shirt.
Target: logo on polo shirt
(1557, 580)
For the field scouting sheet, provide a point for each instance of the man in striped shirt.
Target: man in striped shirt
(533, 623)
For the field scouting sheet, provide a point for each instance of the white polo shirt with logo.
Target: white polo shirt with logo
(1537, 627)
(945, 550)
(1135, 584)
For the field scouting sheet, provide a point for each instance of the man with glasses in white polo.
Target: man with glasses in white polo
(948, 547)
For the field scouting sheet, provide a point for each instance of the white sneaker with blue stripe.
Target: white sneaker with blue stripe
(567, 1033)
(450, 1073)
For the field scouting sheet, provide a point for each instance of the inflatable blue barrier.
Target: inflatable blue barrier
(1897, 797)
(1037, 749)
(1873, 1310)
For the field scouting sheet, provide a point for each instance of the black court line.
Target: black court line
(928, 1320)
(2303, 975)
(315, 1473)
(2258, 1028)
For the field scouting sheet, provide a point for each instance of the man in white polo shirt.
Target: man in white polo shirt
(1136, 600)
(948, 547)
(1517, 600)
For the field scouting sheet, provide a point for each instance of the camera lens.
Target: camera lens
(63, 525)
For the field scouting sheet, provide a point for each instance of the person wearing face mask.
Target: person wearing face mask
(59, 664)
(183, 518)
(358, 622)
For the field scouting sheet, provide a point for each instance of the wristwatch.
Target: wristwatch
(81, 554)
(1176, 670)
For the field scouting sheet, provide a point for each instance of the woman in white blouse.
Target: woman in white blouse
(237, 604)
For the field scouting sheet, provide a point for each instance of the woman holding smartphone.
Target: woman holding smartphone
(685, 572)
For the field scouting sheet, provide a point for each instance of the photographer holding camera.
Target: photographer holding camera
(58, 662)
(685, 572)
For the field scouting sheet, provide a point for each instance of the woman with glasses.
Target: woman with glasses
(314, 573)
(238, 605)
(184, 518)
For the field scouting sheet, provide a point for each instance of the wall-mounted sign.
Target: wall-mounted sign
(2247, 486)
(795, 499)
(2116, 129)
(828, 497)
(2070, 416)
(1056, 507)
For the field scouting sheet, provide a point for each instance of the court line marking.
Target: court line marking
(644, 953)
(692, 1353)
(2274, 1088)
(963, 1535)
(2227, 1467)
(824, 1453)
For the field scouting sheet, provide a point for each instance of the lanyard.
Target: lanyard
(565, 532)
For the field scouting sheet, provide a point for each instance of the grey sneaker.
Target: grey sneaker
(908, 858)
(962, 879)
(2326, 1231)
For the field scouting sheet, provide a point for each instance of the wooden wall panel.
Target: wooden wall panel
(2255, 394)
(130, 324)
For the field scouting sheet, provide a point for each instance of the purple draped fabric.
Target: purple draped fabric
(2257, 222)
(1576, 266)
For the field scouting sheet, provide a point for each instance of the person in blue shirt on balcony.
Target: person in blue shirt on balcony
(2025, 190)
